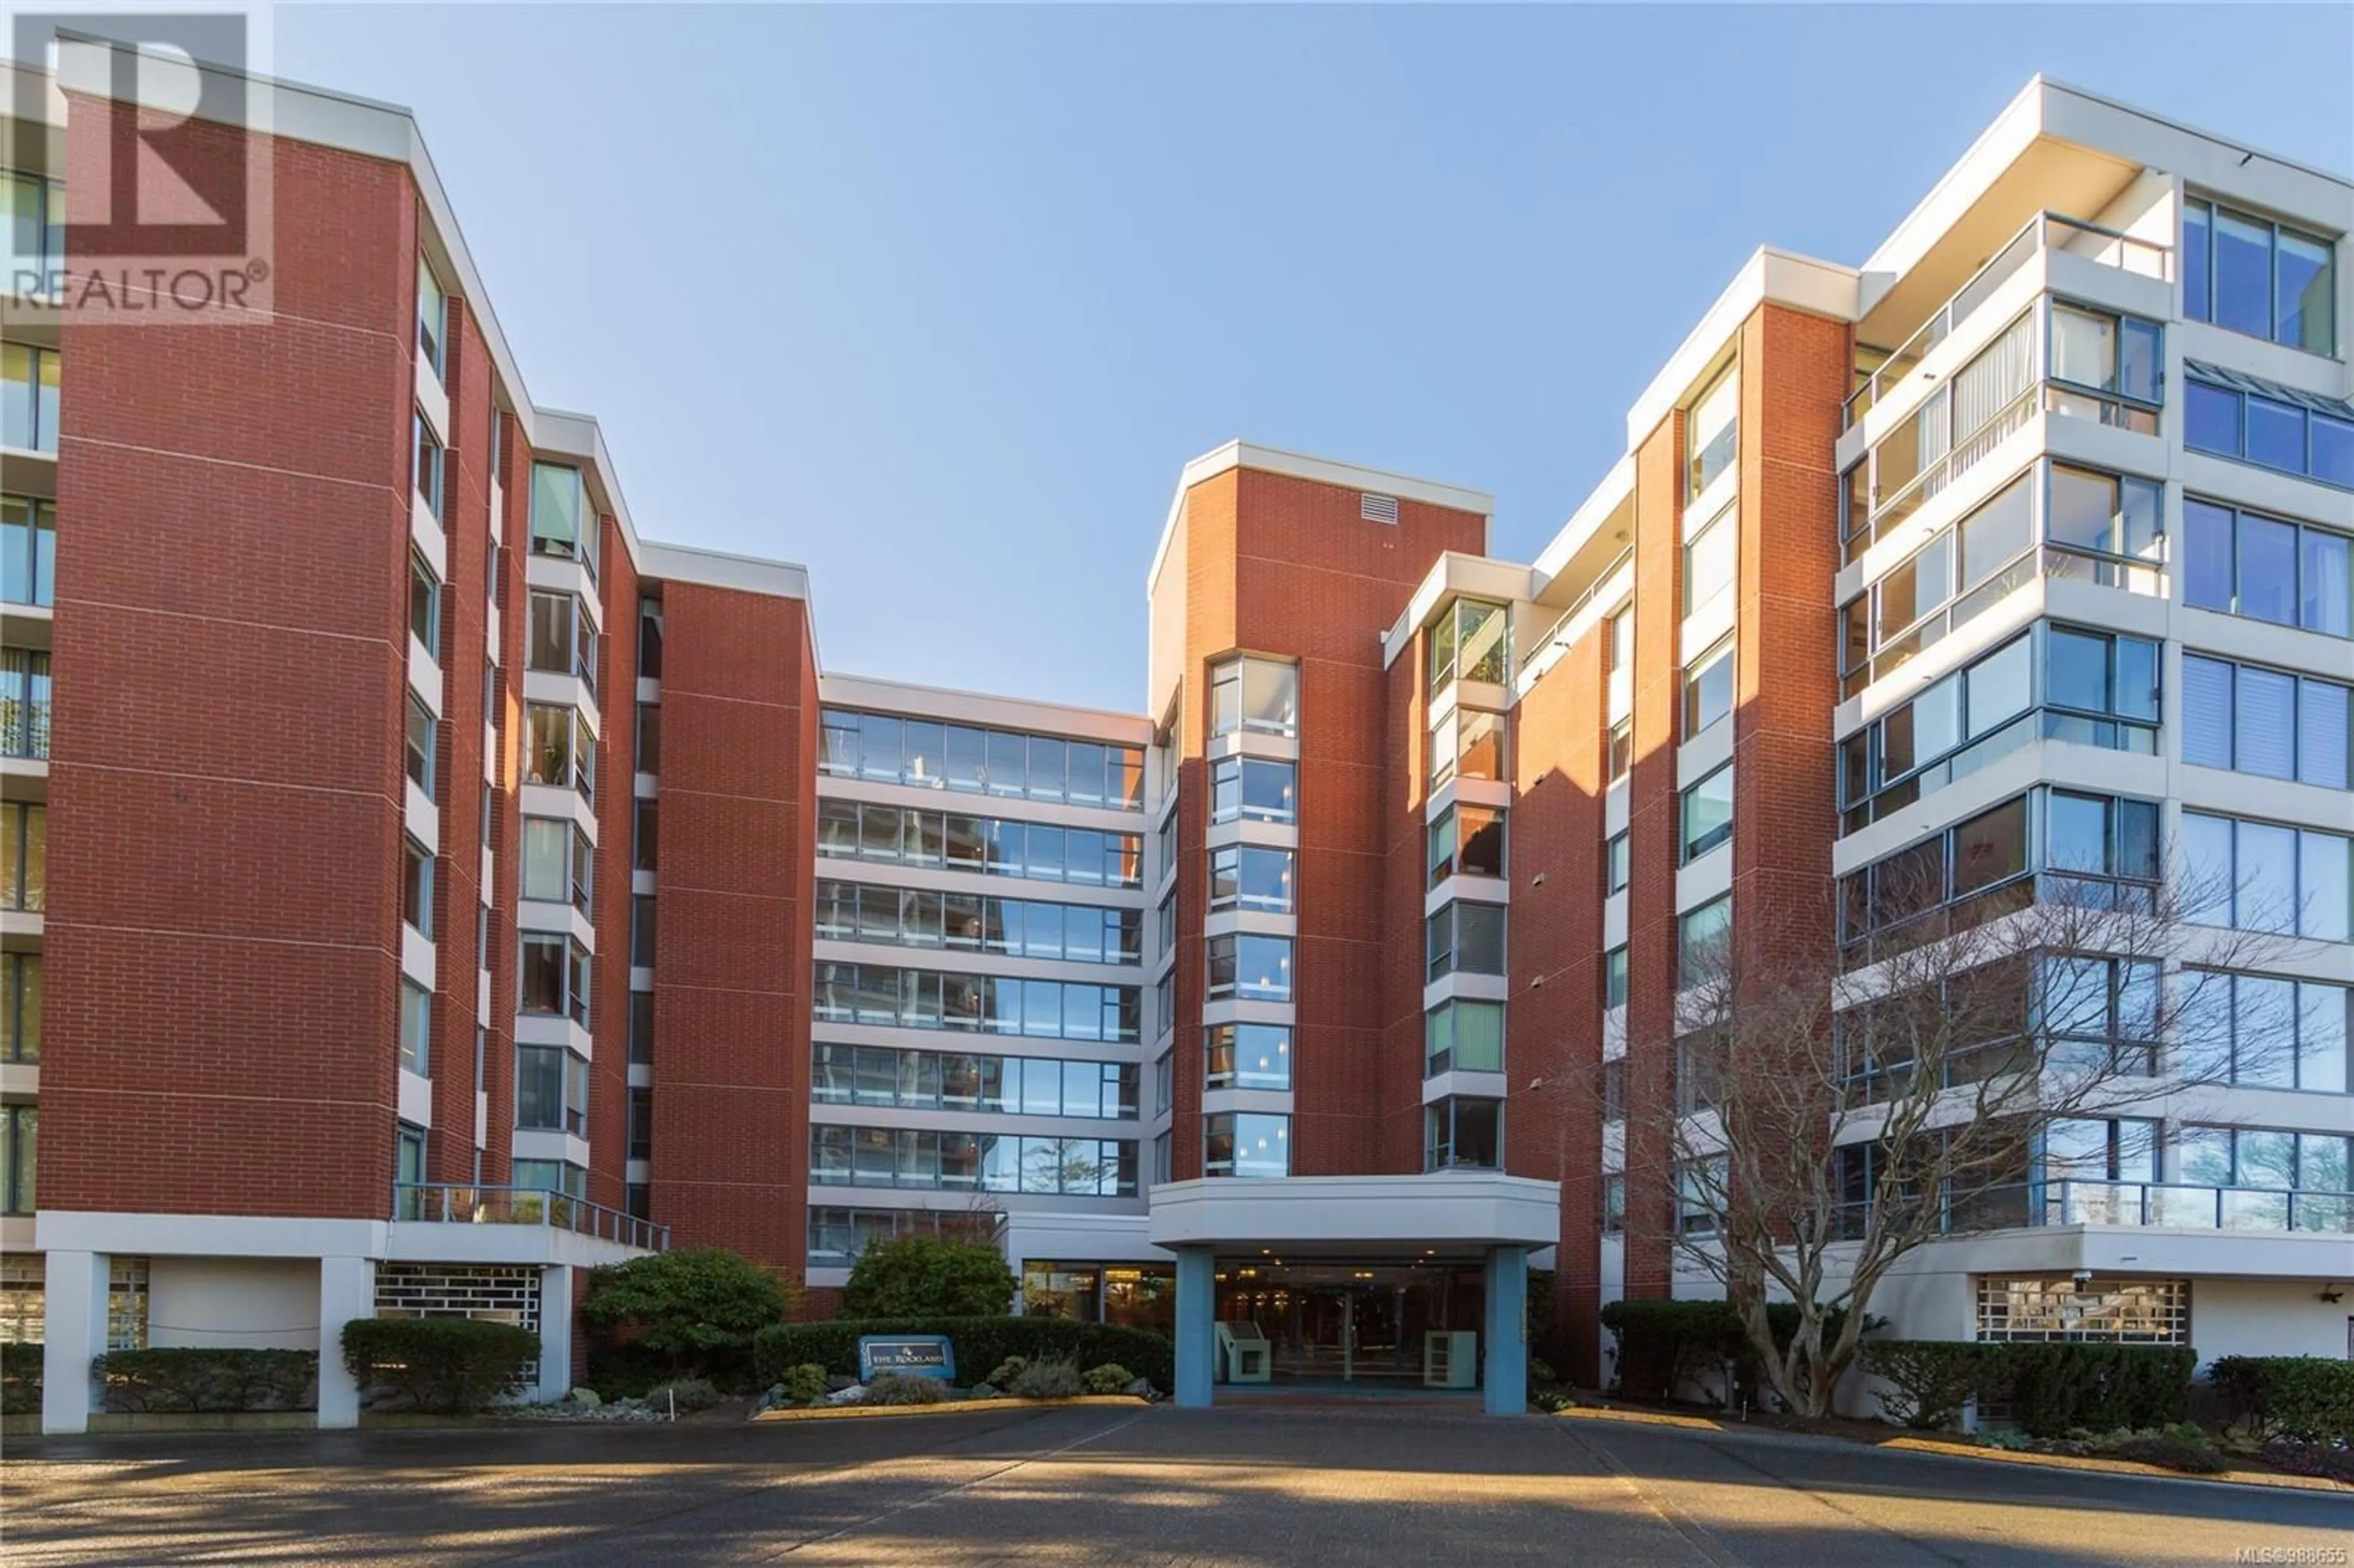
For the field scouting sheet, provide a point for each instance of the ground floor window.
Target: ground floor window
(1355, 1320)
(1129, 1295)
(2057, 1307)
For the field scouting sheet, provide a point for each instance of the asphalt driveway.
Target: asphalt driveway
(1262, 1485)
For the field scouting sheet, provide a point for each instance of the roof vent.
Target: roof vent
(1377, 508)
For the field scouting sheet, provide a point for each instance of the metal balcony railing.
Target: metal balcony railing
(2045, 230)
(429, 1202)
(2172, 1205)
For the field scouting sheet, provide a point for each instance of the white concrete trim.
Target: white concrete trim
(986, 710)
(208, 1235)
(1445, 1208)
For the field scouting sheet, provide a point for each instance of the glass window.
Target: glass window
(416, 887)
(1713, 436)
(1467, 841)
(28, 550)
(1252, 967)
(1702, 936)
(1463, 1036)
(1464, 938)
(1460, 1132)
(559, 526)
(24, 856)
(20, 1007)
(1467, 743)
(428, 476)
(1247, 1057)
(1708, 688)
(416, 1028)
(433, 317)
(1257, 694)
(1252, 788)
(1617, 860)
(2264, 877)
(418, 744)
(2212, 419)
(1245, 1145)
(1618, 756)
(1471, 641)
(1614, 978)
(1711, 557)
(2242, 271)
(1707, 809)
(424, 604)
(28, 398)
(1251, 876)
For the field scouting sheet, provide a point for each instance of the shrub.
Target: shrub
(686, 1395)
(442, 1364)
(20, 1379)
(979, 1341)
(1934, 1379)
(2306, 1399)
(1054, 1378)
(193, 1378)
(2053, 1388)
(625, 1372)
(923, 1277)
(697, 1307)
(804, 1384)
(2171, 1448)
(1007, 1371)
(2310, 1459)
(890, 1388)
(1663, 1345)
(1109, 1378)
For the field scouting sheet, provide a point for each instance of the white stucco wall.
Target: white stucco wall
(240, 1302)
(2270, 1318)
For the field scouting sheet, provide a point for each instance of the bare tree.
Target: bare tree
(1950, 1069)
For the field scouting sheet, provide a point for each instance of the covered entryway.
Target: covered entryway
(1397, 1281)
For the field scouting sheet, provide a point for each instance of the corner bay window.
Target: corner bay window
(556, 977)
(1462, 1036)
(20, 1007)
(1465, 742)
(429, 474)
(560, 749)
(1246, 1056)
(1246, 1144)
(562, 523)
(24, 856)
(1250, 876)
(1260, 695)
(1252, 788)
(1472, 641)
(417, 744)
(416, 887)
(1464, 938)
(424, 605)
(28, 398)
(1712, 431)
(25, 704)
(1467, 841)
(433, 317)
(1461, 1133)
(562, 641)
(1250, 967)
(557, 862)
(551, 1090)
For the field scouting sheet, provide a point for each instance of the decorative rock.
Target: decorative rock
(835, 1382)
(853, 1395)
(982, 1390)
(1141, 1388)
(586, 1398)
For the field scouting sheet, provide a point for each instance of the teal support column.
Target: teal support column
(1505, 1371)
(1196, 1332)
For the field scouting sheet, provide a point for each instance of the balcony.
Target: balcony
(2044, 231)
(2178, 1207)
(520, 1220)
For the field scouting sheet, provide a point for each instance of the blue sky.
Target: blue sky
(937, 301)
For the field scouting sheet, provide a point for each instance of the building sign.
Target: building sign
(909, 1355)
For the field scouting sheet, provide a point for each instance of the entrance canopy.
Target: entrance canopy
(1449, 1211)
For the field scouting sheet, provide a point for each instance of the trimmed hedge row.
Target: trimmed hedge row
(442, 1364)
(186, 1378)
(2052, 1388)
(1664, 1344)
(981, 1344)
(2307, 1399)
(20, 1379)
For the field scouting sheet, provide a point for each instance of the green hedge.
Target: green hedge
(2051, 1388)
(981, 1343)
(2307, 1399)
(20, 1379)
(186, 1378)
(1662, 1344)
(443, 1364)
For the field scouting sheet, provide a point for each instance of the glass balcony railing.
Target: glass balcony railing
(2045, 230)
(2158, 1204)
(441, 1203)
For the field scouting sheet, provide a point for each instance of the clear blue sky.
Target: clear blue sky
(938, 301)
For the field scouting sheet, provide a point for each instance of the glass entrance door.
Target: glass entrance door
(1348, 1321)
